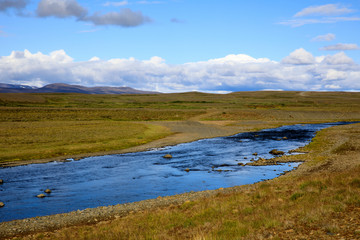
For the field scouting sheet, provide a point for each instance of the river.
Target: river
(114, 179)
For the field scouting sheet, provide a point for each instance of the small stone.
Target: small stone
(41, 195)
(285, 138)
(255, 153)
(1, 181)
(276, 152)
(47, 191)
(167, 156)
(2, 204)
(187, 170)
(241, 164)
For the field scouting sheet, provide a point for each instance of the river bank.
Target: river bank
(330, 146)
(182, 132)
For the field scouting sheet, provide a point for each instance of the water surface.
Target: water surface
(113, 179)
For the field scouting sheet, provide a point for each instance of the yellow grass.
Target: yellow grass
(306, 204)
(47, 139)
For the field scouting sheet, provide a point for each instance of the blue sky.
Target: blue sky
(182, 45)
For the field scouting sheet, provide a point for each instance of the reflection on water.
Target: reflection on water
(114, 179)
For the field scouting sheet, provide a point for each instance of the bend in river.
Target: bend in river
(114, 179)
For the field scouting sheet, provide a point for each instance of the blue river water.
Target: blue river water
(115, 179)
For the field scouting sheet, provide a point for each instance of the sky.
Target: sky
(182, 45)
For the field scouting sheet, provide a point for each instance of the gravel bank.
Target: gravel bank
(95, 215)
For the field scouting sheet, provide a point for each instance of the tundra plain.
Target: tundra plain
(320, 200)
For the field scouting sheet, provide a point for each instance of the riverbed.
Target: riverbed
(114, 179)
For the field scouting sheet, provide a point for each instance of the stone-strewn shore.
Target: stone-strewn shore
(94, 215)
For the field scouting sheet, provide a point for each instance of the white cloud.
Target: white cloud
(60, 9)
(341, 47)
(125, 18)
(323, 14)
(299, 56)
(324, 10)
(337, 59)
(301, 22)
(299, 71)
(116, 4)
(324, 38)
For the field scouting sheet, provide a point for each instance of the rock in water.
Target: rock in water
(1, 181)
(167, 156)
(47, 191)
(2, 204)
(276, 152)
(41, 195)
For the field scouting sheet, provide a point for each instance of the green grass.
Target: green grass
(48, 139)
(26, 118)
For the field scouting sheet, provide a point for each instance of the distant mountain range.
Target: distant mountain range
(66, 88)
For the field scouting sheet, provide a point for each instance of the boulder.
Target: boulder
(167, 156)
(187, 170)
(41, 195)
(47, 191)
(276, 152)
(1, 181)
(2, 204)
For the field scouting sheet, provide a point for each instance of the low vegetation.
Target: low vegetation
(47, 125)
(318, 201)
(48, 139)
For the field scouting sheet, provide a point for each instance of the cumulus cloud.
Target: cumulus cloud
(324, 10)
(324, 38)
(60, 9)
(298, 71)
(341, 47)
(299, 56)
(338, 58)
(125, 18)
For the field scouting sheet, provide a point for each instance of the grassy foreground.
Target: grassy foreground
(41, 126)
(321, 200)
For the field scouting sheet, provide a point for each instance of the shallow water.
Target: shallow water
(114, 179)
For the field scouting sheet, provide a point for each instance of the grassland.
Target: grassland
(38, 126)
(320, 200)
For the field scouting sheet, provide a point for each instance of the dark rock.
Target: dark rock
(276, 152)
(241, 164)
(255, 153)
(1, 181)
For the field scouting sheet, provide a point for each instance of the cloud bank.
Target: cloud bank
(298, 71)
